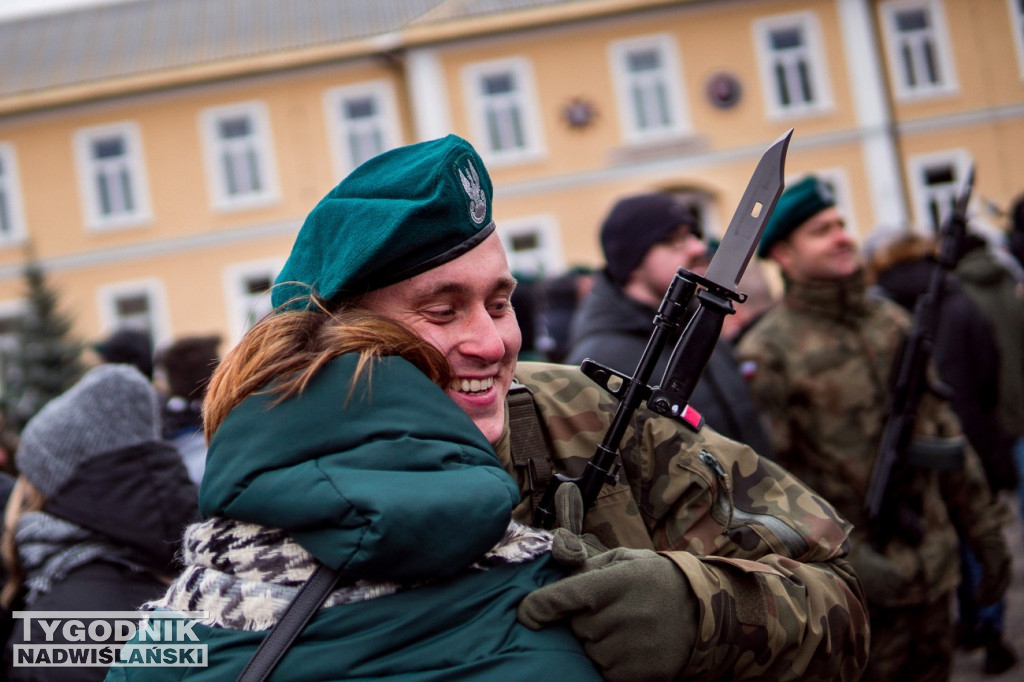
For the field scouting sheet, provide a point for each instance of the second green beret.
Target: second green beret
(797, 204)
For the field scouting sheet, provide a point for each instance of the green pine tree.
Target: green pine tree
(47, 359)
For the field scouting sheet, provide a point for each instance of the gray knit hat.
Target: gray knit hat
(110, 408)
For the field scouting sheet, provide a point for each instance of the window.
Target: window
(12, 218)
(135, 305)
(937, 180)
(239, 156)
(1017, 28)
(835, 179)
(247, 287)
(533, 246)
(502, 108)
(362, 121)
(702, 206)
(792, 64)
(649, 88)
(919, 48)
(112, 176)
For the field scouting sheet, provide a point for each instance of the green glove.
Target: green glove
(569, 547)
(994, 560)
(632, 609)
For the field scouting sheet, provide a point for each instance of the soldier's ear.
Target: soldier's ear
(782, 253)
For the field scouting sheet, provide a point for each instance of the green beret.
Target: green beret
(796, 205)
(399, 214)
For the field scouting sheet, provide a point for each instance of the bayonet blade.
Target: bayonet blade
(752, 213)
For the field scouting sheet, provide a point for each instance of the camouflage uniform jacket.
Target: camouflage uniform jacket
(822, 362)
(763, 554)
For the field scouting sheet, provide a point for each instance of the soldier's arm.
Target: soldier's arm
(978, 515)
(764, 556)
(761, 552)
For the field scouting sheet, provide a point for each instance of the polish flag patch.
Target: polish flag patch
(692, 417)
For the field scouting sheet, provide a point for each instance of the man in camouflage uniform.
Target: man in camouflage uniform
(723, 565)
(822, 360)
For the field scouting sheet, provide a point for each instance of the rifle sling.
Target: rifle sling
(526, 441)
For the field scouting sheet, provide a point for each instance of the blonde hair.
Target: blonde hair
(24, 498)
(290, 346)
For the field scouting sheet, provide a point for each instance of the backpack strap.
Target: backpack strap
(290, 624)
(526, 441)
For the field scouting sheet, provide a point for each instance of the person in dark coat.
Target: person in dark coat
(966, 358)
(645, 239)
(1015, 235)
(98, 508)
(182, 371)
(130, 347)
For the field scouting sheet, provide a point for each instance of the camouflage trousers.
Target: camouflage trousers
(912, 643)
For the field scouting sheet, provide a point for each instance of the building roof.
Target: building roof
(114, 40)
(144, 41)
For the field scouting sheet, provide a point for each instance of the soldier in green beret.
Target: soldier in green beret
(722, 564)
(821, 360)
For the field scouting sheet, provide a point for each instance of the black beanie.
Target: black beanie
(637, 223)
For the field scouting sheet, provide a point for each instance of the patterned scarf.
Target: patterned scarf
(244, 575)
(50, 547)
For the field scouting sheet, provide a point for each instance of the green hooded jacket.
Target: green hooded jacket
(393, 483)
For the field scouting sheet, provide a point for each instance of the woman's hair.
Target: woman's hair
(24, 498)
(282, 353)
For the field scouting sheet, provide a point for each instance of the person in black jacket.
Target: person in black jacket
(645, 239)
(1015, 235)
(966, 359)
(97, 510)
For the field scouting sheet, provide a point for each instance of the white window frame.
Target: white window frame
(157, 317)
(240, 304)
(842, 195)
(670, 77)
(544, 260)
(1016, 10)
(938, 35)
(839, 180)
(260, 144)
(131, 164)
(924, 197)
(524, 100)
(13, 229)
(811, 57)
(384, 123)
(702, 205)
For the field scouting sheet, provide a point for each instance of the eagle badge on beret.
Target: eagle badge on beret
(825, 192)
(477, 198)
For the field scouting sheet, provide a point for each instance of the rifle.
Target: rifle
(899, 453)
(715, 293)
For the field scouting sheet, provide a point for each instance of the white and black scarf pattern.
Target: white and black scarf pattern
(244, 575)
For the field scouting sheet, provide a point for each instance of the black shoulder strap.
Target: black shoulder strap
(526, 441)
(290, 624)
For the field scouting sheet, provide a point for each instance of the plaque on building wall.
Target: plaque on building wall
(723, 90)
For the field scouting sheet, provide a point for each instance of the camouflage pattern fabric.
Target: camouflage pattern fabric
(762, 553)
(912, 643)
(822, 361)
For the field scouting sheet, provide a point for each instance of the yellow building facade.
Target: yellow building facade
(161, 185)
